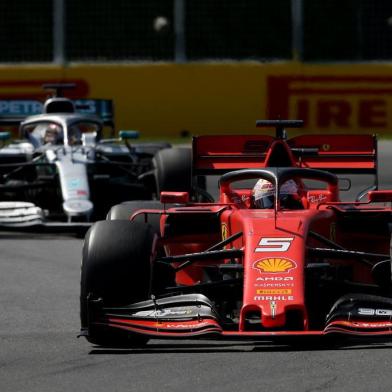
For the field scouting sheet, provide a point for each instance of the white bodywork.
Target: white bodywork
(70, 160)
(19, 212)
(71, 166)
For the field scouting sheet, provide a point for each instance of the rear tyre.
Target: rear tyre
(115, 267)
(173, 170)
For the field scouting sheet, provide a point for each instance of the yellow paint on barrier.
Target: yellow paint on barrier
(164, 99)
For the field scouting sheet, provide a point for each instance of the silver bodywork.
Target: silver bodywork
(20, 213)
(64, 168)
(71, 161)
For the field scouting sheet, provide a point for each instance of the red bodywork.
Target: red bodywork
(282, 249)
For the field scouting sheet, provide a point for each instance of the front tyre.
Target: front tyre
(115, 267)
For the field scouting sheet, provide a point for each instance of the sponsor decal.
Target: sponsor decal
(180, 325)
(245, 198)
(273, 298)
(273, 265)
(330, 102)
(271, 285)
(163, 312)
(87, 106)
(186, 326)
(273, 291)
(374, 312)
(275, 244)
(275, 279)
(74, 183)
(317, 198)
(20, 108)
(372, 325)
(12, 107)
(224, 231)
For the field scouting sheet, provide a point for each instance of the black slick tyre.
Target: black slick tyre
(162, 275)
(116, 268)
(173, 170)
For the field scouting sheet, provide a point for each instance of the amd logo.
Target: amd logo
(374, 312)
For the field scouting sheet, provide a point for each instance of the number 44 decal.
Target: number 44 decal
(275, 244)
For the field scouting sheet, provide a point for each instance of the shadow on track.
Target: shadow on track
(13, 235)
(243, 347)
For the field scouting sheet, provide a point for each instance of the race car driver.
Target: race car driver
(263, 195)
(46, 133)
(53, 134)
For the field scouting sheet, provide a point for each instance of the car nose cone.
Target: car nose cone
(78, 207)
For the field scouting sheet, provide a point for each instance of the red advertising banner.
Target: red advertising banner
(332, 103)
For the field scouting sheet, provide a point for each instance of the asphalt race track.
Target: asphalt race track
(39, 349)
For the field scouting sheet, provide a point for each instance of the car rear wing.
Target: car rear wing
(351, 154)
(14, 111)
(213, 154)
(102, 108)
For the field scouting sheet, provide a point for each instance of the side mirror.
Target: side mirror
(127, 135)
(174, 197)
(380, 196)
(89, 138)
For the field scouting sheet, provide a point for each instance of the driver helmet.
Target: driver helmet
(263, 194)
(45, 133)
(53, 134)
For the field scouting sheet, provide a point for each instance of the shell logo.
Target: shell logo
(274, 265)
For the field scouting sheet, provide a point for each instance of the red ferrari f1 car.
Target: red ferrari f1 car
(232, 269)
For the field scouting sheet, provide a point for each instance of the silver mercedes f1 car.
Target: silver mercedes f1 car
(62, 174)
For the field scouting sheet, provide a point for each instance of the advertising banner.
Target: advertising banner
(169, 100)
